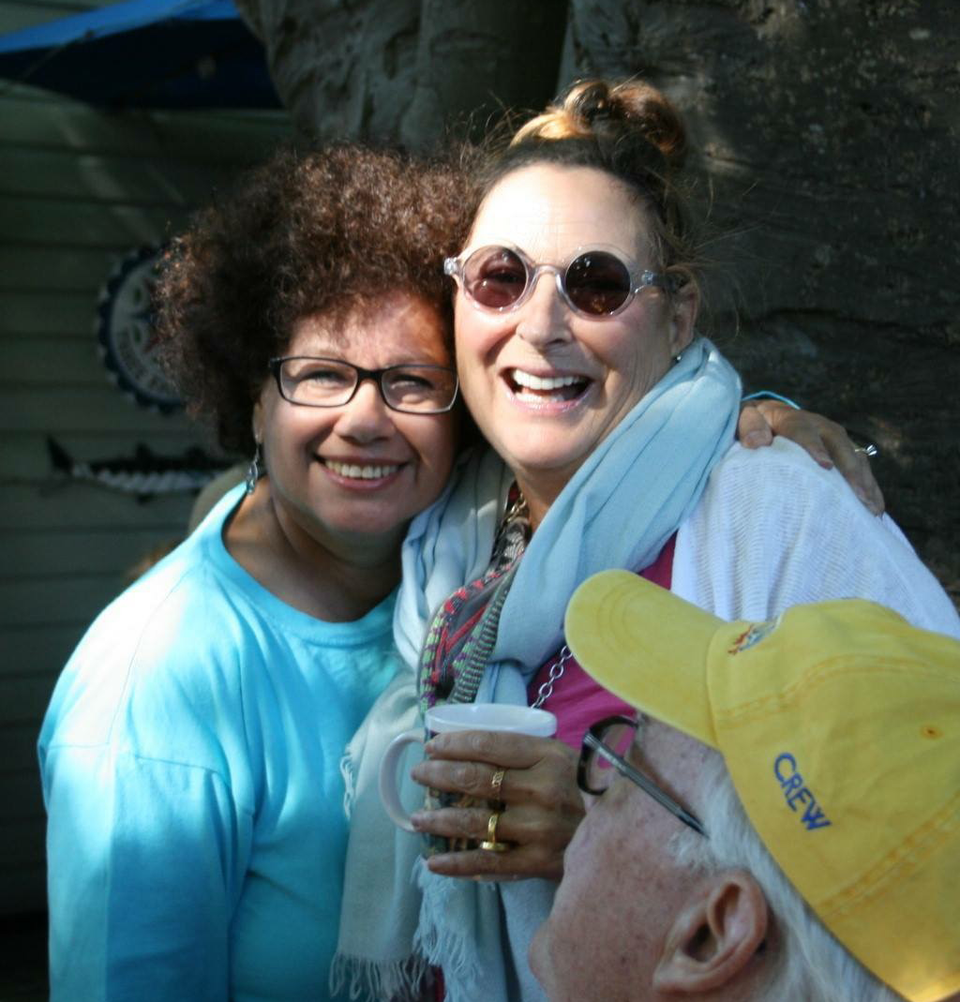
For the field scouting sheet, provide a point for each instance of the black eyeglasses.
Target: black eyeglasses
(596, 283)
(603, 755)
(330, 382)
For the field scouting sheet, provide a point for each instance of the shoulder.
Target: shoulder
(774, 529)
(774, 470)
(185, 610)
(772, 493)
(162, 650)
(184, 602)
(782, 486)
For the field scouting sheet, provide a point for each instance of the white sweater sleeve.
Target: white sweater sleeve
(773, 530)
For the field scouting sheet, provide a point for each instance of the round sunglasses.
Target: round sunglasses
(597, 283)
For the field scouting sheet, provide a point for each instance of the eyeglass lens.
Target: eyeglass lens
(601, 772)
(323, 382)
(595, 282)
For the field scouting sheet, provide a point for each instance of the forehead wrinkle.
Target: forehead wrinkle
(556, 241)
(546, 223)
(317, 337)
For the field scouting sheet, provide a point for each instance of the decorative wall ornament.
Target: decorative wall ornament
(125, 331)
(145, 473)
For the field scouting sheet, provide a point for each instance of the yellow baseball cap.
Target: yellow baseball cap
(840, 726)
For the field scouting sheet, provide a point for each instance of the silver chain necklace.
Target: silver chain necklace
(560, 665)
(556, 673)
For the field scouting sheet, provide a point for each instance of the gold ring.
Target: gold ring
(496, 781)
(491, 844)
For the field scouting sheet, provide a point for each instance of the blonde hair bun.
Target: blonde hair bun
(596, 109)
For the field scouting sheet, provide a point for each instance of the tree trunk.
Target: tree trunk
(403, 71)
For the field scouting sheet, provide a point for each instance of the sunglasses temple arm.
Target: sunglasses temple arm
(663, 799)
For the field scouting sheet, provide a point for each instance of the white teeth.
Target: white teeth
(360, 472)
(531, 382)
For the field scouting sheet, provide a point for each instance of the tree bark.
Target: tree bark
(404, 71)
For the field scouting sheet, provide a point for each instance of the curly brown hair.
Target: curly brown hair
(325, 231)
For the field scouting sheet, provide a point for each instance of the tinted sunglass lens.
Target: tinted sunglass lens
(494, 277)
(597, 283)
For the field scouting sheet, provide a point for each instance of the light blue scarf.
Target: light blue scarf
(618, 510)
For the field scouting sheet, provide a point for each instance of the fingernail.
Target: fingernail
(754, 439)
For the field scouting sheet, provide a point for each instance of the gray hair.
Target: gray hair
(811, 965)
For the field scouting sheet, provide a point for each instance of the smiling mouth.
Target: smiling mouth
(352, 471)
(546, 389)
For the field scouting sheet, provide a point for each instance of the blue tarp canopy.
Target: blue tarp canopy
(145, 54)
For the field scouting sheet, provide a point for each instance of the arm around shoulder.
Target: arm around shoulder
(773, 530)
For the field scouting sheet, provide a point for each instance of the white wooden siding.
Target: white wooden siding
(79, 189)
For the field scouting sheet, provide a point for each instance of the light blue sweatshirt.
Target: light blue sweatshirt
(191, 774)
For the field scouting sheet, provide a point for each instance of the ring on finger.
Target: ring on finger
(869, 450)
(491, 844)
(496, 781)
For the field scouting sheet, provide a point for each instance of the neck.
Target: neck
(540, 494)
(337, 579)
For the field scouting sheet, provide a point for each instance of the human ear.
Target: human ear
(684, 305)
(715, 934)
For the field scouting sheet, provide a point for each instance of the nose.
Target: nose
(544, 317)
(366, 417)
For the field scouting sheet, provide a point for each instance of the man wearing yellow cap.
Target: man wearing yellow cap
(782, 824)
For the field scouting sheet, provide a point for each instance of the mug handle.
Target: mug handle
(389, 796)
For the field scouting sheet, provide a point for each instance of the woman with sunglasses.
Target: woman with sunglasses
(578, 359)
(191, 752)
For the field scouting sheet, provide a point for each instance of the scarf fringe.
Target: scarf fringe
(444, 944)
(369, 981)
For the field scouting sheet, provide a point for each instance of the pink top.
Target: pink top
(578, 701)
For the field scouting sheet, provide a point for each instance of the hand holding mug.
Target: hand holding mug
(471, 718)
(533, 780)
(542, 805)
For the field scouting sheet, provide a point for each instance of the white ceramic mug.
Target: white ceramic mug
(444, 719)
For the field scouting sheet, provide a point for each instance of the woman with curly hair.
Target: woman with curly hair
(191, 752)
